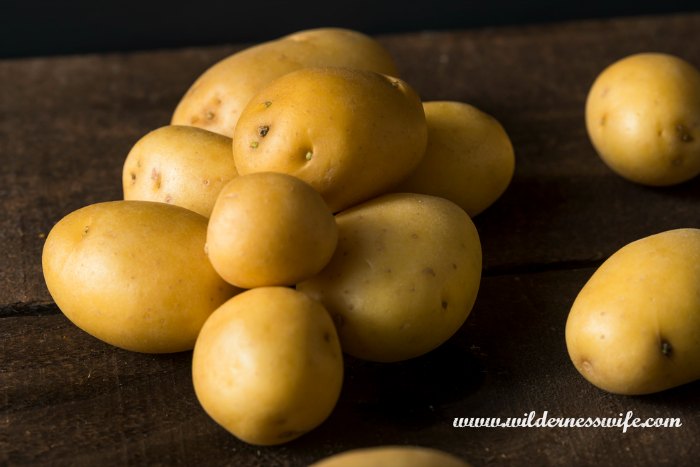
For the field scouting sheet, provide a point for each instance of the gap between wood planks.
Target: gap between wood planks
(20, 309)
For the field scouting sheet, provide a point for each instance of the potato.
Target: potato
(350, 134)
(392, 456)
(134, 274)
(403, 278)
(643, 118)
(270, 229)
(267, 365)
(469, 159)
(217, 97)
(635, 326)
(179, 165)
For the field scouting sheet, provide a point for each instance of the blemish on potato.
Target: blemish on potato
(586, 366)
(210, 115)
(253, 144)
(444, 304)
(683, 133)
(155, 176)
(414, 235)
(605, 92)
(309, 155)
(326, 336)
(267, 104)
(86, 230)
(603, 119)
(133, 177)
(666, 348)
(205, 181)
(429, 271)
(168, 199)
(263, 130)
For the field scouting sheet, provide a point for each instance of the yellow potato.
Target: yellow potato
(635, 326)
(270, 229)
(179, 165)
(469, 159)
(134, 274)
(350, 134)
(217, 97)
(267, 365)
(643, 117)
(404, 276)
(392, 456)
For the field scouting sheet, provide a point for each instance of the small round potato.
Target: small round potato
(404, 276)
(635, 326)
(270, 229)
(350, 134)
(179, 165)
(469, 159)
(134, 274)
(392, 456)
(218, 96)
(267, 365)
(643, 118)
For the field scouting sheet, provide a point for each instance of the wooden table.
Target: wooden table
(66, 398)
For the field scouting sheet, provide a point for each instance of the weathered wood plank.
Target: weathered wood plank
(68, 398)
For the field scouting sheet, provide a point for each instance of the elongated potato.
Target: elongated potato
(643, 118)
(134, 274)
(469, 159)
(392, 456)
(218, 96)
(179, 165)
(403, 278)
(635, 326)
(350, 134)
(267, 365)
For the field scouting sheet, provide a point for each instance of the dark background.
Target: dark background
(38, 28)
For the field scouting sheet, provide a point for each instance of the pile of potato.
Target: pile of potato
(304, 203)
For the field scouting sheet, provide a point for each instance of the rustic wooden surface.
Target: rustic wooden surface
(67, 399)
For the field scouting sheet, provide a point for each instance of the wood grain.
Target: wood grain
(67, 124)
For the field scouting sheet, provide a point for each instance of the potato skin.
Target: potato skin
(469, 158)
(404, 276)
(134, 274)
(350, 134)
(218, 96)
(392, 456)
(267, 365)
(635, 326)
(179, 165)
(270, 229)
(643, 118)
